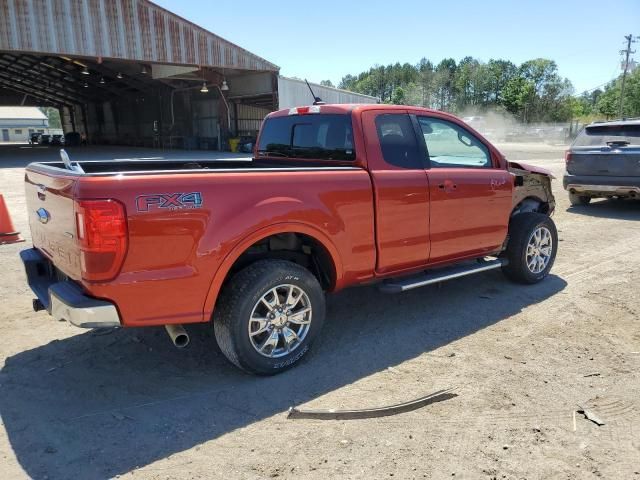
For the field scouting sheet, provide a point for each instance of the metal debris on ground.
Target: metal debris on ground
(590, 415)
(591, 375)
(333, 414)
(98, 332)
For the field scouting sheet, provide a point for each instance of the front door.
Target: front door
(470, 195)
(5, 135)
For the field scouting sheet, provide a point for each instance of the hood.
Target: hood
(531, 168)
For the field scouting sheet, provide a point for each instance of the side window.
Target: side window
(398, 140)
(451, 146)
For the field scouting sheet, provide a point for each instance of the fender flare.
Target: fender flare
(240, 247)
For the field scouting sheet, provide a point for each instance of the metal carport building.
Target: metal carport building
(129, 72)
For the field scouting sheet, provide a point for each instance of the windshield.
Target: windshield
(601, 135)
(319, 137)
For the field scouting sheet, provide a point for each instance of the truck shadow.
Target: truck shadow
(613, 209)
(101, 403)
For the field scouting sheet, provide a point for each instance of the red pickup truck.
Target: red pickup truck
(335, 195)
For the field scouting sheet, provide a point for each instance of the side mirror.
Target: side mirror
(465, 139)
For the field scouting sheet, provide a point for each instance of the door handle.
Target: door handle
(448, 185)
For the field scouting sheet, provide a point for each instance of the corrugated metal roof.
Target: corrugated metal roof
(119, 29)
(21, 113)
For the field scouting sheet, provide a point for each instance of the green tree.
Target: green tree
(425, 83)
(534, 91)
(517, 96)
(464, 82)
(607, 103)
(444, 82)
(327, 83)
(348, 82)
(499, 72)
(398, 97)
(632, 95)
(53, 114)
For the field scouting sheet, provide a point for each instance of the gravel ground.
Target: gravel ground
(92, 404)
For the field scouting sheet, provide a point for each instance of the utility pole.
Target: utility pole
(625, 52)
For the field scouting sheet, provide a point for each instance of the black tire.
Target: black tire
(236, 304)
(577, 200)
(521, 230)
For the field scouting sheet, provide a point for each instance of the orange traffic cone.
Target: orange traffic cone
(7, 232)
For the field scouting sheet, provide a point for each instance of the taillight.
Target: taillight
(102, 238)
(567, 157)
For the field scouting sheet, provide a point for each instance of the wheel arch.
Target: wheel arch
(328, 257)
(531, 203)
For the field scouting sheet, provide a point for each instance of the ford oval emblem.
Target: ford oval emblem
(43, 215)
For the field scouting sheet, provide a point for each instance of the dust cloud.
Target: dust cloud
(502, 127)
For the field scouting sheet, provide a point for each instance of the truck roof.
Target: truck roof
(345, 108)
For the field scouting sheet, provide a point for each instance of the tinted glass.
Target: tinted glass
(398, 140)
(451, 146)
(600, 135)
(314, 136)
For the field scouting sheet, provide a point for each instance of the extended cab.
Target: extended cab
(336, 195)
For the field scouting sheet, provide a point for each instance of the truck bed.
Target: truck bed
(182, 223)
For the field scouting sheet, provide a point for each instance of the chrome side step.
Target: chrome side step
(441, 275)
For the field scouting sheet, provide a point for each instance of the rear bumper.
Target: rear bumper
(601, 185)
(65, 300)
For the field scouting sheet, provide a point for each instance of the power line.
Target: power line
(612, 76)
(594, 88)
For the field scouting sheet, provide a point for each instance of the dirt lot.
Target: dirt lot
(81, 405)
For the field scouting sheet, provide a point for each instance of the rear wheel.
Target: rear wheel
(532, 247)
(576, 199)
(268, 316)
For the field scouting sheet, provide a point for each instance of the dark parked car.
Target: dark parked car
(57, 140)
(604, 161)
(34, 138)
(45, 139)
(72, 139)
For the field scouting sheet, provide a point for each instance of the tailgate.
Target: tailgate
(618, 162)
(50, 207)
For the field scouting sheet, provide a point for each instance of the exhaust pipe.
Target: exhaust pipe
(178, 335)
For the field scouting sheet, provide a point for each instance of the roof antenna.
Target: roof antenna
(316, 100)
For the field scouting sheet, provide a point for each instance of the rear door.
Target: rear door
(470, 194)
(401, 190)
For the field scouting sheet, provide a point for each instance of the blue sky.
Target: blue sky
(329, 39)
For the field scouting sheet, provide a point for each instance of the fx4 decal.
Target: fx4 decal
(172, 201)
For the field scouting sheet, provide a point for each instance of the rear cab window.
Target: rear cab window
(312, 136)
(603, 135)
(398, 141)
